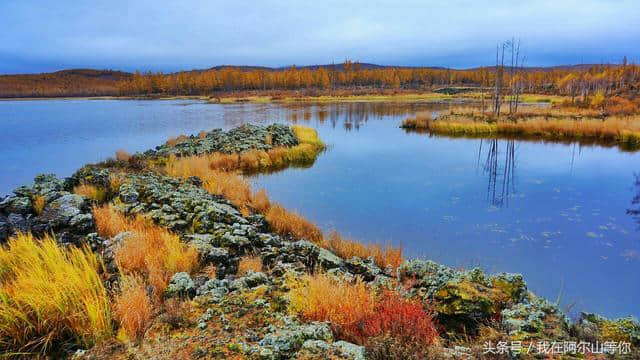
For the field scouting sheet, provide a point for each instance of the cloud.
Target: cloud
(171, 35)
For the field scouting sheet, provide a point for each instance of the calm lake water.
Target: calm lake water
(555, 212)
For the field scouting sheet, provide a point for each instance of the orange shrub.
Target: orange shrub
(288, 223)
(133, 307)
(249, 263)
(122, 155)
(347, 248)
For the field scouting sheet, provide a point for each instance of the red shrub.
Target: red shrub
(394, 316)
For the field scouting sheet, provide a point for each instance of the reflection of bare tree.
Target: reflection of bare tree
(503, 175)
(634, 211)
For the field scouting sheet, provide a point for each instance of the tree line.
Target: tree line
(574, 81)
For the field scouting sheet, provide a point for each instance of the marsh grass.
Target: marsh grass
(420, 121)
(50, 296)
(291, 224)
(546, 124)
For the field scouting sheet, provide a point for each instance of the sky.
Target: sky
(170, 35)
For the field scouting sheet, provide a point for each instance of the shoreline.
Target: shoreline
(464, 302)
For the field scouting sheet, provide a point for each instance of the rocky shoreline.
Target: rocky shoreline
(245, 316)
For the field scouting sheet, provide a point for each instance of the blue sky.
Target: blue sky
(43, 35)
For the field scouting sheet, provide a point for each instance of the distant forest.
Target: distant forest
(579, 80)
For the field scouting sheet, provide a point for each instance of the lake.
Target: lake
(555, 212)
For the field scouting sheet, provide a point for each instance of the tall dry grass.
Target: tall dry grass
(133, 308)
(50, 295)
(320, 297)
(249, 263)
(150, 251)
(383, 256)
(90, 191)
(38, 202)
(289, 223)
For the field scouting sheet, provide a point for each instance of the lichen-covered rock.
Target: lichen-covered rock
(283, 343)
(304, 253)
(462, 299)
(597, 328)
(363, 267)
(348, 350)
(537, 319)
(242, 138)
(251, 280)
(181, 284)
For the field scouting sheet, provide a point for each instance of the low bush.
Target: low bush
(123, 155)
(50, 295)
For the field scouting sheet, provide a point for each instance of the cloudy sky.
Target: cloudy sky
(169, 35)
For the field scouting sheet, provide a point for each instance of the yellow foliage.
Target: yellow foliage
(49, 294)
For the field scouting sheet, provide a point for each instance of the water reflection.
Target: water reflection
(499, 172)
(634, 211)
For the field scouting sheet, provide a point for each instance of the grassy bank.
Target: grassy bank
(544, 124)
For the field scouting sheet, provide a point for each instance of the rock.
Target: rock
(533, 320)
(128, 194)
(365, 268)
(285, 342)
(348, 350)
(251, 280)
(597, 328)
(181, 284)
(60, 211)
(17, 205)
(214, 290)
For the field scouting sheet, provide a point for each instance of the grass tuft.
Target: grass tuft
(123, 155)
(90, 191)
(383, 256)
(133, 307)
(150, 250)
(249, 263)
(50, 295)
(289, 223)
(38, 203)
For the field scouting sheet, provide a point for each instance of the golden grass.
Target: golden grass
(320, 297)
(50, 295)
(249, 263)
(151, 251)
(289, 223)
(91, 192)
(38, 203)
(122, 155)
(550, 124)
(420, 121)
(133, 307)
(383, 256)
(115, 181)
